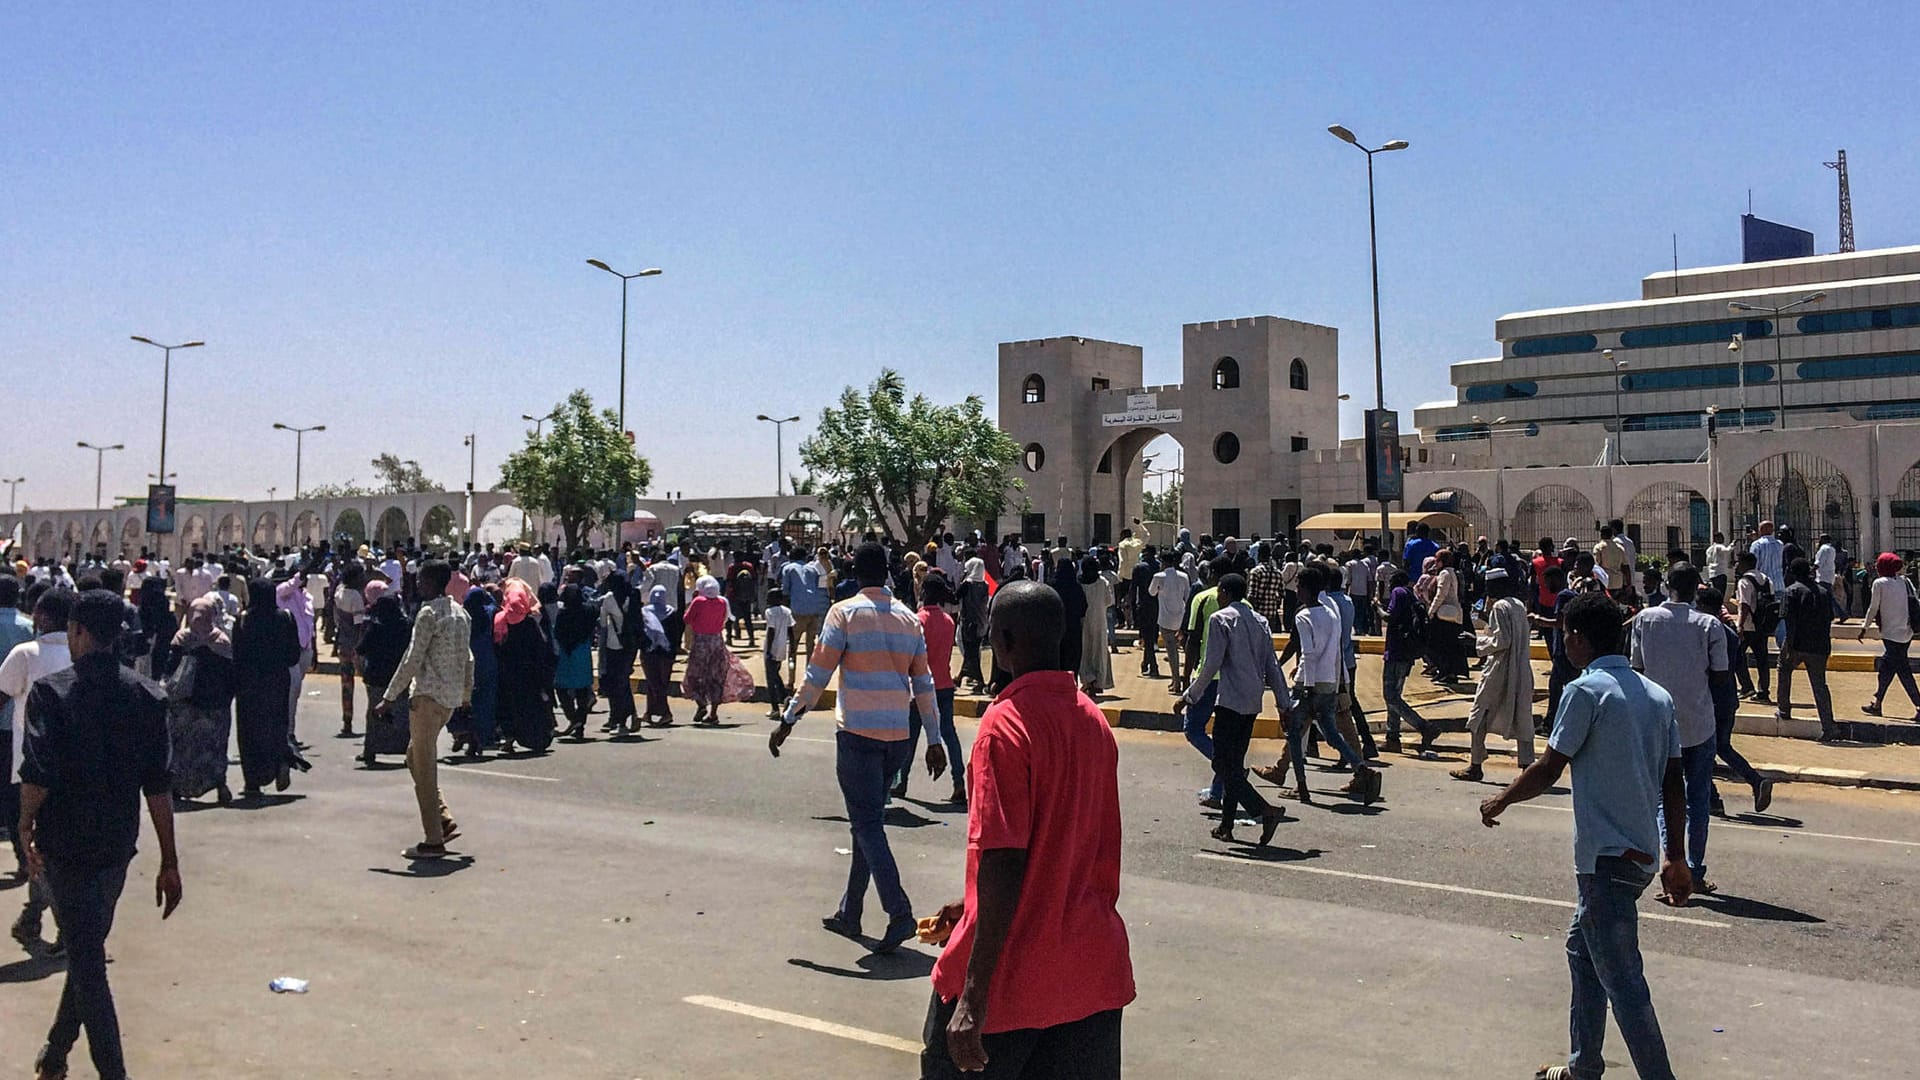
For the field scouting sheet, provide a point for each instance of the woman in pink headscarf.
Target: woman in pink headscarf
(525, 659)
(1892, 605)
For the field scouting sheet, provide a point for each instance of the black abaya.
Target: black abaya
(265, 647)
(526, 674)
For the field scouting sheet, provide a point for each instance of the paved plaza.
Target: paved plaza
(650, 909)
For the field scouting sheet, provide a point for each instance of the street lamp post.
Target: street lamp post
(1619, 432)
(473, 459)
(779, 449)
(299, 448)
(1779, 368)
(650, 271)
(99, 463)
(13, 488)
(166, 384)
(1373, 247)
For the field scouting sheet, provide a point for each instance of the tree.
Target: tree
(582, 471)
(1162, 507)
(906, 465)
(348, 490)
(399, 477)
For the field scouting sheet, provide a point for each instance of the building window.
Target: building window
(1694, 378)
(1033, 526)
(1226, 374)
(1834, 322)
(1034, 457)
(1034, 390)
(1297, 374)
(1226, 448)
(1100, 383)
(1718, 333)
(1103, 528)
(1299, 443)
(1860, 367)
(1423, 455)
(1554, 346)
(1662, 422)
(1462, 432)
(1226, 522)
(1500, 391)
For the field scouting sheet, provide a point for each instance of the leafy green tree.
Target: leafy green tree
(399, 477)
(906, 465)
(1162, 507)
(582, 472)
(348, 490)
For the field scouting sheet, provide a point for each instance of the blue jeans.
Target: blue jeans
(83, 901)
(1393, 680)
(942, 700)
(1696, 765)
(1603, 954)
(1194, 727)
(1317, 707)
(863, 766)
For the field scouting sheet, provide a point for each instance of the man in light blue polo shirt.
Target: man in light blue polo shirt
(1616, 728)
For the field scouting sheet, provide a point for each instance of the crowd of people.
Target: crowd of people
(491, 643)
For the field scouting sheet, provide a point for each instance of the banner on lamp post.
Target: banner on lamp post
(1384, 478)
(160, 508)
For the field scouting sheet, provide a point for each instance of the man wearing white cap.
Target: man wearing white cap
(1503, 703)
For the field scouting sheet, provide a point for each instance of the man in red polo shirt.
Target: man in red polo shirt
(1037, 969)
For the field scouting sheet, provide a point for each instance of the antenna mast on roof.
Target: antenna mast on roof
(1846, 201)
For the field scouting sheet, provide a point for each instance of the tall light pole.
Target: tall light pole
(99, 463)
(779, 449)
(299, 448)
(13, 489)
(1373, 247)
(539, 421)
(473, 460)
(650, 271)
(166, 384)
(1779, 368)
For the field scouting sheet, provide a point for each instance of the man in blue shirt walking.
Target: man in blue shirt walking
(1616, 728)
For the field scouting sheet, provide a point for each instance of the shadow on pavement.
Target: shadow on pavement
(35, 968)
(905, 964)
(382, 766)
(1271, 854)
(897, 817)
(1355, 809)
(1740, 907)
(264, 802)
(427, 868)
(1770, 821)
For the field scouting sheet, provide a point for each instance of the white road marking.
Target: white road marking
(1438, 887)
(457, 770)
(1777, 830)
(806, 1023)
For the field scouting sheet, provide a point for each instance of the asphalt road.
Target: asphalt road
(650, 909)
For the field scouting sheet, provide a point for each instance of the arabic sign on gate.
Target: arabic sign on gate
(1142, 409)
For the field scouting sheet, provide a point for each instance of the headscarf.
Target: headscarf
(1089, 570)
(1888, 564)
(203, 628)
(153, 602)
(516, 603)
(373, 591)
(653, 617)
(619, 588)
(573, 626)
(707, 586)
(260, 604)
(479, 605)
(1067, 584)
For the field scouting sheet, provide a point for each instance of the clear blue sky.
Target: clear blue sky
(377, 218)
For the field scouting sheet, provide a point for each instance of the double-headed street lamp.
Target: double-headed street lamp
(166, 384)
(13, 488)
(1373, 246)
(299, 446)
(99, 462)
(779, 449)
(539, 421)
(1779, 368)
(650, 271)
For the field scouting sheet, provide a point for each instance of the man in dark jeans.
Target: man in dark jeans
(879, 639)
(1754, 593)
(1617, 730)
(96, 741)
(1240, 652)
(1807, 611)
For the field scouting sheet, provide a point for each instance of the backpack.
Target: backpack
(1417, 627)
(1766, 606)
(632, 626)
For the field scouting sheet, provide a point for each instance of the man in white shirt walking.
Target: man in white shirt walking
(1171, 588)
(28, 663)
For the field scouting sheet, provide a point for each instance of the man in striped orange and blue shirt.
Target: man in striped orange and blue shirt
(875, 642)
